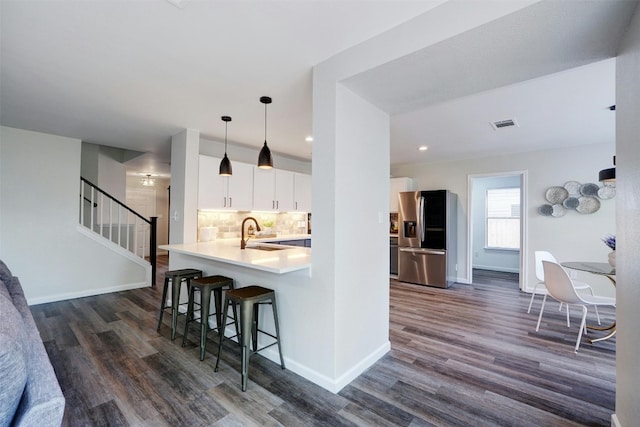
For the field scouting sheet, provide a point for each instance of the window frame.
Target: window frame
(487, 218)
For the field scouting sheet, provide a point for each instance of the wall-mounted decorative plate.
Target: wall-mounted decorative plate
(555, 195)
(588, 205)
(571, 202)
(573, 187)
(607, 192)
(558, 210)
(589, 189)
(545, 210)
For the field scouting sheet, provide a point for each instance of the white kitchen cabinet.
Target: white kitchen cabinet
(212, 188)
(272, 190)
(284, 191)
(302, 192)
(221, 192)
(240, 187)
(396, 186)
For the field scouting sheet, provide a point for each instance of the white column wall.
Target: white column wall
(183, 212)
(361, 230)
(628, 221)
(41, 241)
(350, 237)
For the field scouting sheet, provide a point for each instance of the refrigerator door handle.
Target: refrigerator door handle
(421, 224)
(423, 251)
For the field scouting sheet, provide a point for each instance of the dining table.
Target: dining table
(600, 269)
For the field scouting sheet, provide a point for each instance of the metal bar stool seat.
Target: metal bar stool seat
(175, 277)
(250, 298)
(206, 286)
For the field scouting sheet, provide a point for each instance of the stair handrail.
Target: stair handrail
(152, 221)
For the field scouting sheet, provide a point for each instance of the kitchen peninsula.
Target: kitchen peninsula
(260, 254)
(287, 270)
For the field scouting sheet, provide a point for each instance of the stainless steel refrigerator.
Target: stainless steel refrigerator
(427, 237)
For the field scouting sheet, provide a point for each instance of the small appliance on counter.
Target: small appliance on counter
(207, 234)
(427, 237)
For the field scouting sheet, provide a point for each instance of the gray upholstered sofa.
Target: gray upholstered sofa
(30, 394)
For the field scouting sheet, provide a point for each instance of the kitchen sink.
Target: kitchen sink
(266, 248)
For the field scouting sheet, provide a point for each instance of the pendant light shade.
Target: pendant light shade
(225, 164)
(265, 161)
(608, 176)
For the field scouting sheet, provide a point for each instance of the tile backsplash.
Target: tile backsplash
(228, 223)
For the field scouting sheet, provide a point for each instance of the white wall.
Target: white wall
(361, 234)
(41, 242)
(112, 177)
(183, 217)
(572, 237)
(490, 259)
(628, 218)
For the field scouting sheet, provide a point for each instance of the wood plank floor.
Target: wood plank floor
(464, 356)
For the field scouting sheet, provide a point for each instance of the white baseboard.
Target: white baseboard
(493, 268)
(85, 293)
(614, 421)
(333, 385)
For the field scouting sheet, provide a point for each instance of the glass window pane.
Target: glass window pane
(503, 218)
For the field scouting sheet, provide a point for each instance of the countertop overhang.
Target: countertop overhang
(286, 260)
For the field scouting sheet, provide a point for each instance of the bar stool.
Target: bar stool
(176, 277)
(207, 285)
(250, 298)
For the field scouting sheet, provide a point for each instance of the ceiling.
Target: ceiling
(132, 74)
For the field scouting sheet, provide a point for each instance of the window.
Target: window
(503, 218)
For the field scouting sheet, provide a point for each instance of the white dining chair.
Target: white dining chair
(561, 288)
(540, 288)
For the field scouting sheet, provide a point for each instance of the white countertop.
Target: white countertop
(293, 258)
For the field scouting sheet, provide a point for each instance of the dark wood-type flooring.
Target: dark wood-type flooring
(464, 356)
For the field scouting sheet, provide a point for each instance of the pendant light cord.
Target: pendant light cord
(226, 125)
(265, 122)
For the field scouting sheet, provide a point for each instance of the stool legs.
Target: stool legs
(274, 306)
(164, 301)
(248, 338)
(205, 301)
(175, 301)
(227, 301)
(247, 332)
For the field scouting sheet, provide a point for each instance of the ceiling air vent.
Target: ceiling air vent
(504, 124)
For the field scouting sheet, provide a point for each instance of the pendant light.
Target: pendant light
(265, 161)
(148, 181)
(608, 176)
(225, 164)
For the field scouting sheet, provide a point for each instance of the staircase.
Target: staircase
(114, 221)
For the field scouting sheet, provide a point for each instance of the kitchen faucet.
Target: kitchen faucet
(243, 243)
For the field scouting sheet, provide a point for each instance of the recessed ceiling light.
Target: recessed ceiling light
(423, 148)
(309, 138)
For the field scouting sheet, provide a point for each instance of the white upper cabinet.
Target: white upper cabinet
(212, 188)
(240, 187)
(396, 186)
(221, 192)
(272, 190)
(302, 192)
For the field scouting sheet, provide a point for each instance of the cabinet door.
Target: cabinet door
(302, 192)
(284, 191)
(212, 188)
(240, 194)
(264, 189)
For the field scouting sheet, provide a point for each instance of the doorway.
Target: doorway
(497, 224)
(142, 201)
